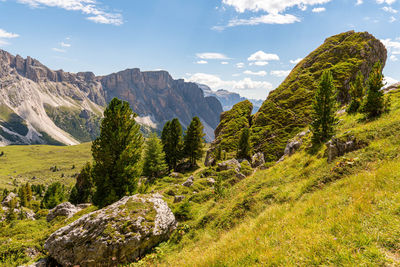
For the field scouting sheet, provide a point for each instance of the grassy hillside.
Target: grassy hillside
(303, 211)
(32, 164)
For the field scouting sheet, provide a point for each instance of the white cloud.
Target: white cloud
(318, 9)
(65, 44)
(224, 63)
(259, 63)
(389, 9)
(7, 35)
(389, 80)
(392, 46)
(392, 19)
(296, 61)
(280, 73)
(59, 50)
(202, 62)
(257, 73)
(240, 65)
(393, 58)
(389, 2)
(212, 56)
(271, 6)
(262, 56)
(3, 42)
(359, 2)
(265, 19)
(246, 86)
(88, 7)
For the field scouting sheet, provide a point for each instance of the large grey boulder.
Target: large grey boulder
(210, 159)
(64, 209)
(338, 147)
(189, 182)
(257, 160)
(114, 235)
(229, 165)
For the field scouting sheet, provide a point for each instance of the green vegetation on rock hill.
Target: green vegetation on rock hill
(288, 108)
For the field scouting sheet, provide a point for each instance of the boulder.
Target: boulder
(64, 209)
(178, 199)
(6, 201)
(338, 147)
(210, 159)
(189, 182)
(291, 147)
(240, 176)
(229, 165)
(257, 160)
(115, 235)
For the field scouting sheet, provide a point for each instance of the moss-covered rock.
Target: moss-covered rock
(288, 108)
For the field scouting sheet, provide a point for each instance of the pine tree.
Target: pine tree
(172, 142)
(23, 196)
(55, 194)
(154, 158)
(116, 154)
(244, 147)
(83, 190)
(356, 93)
(324, 109)
(194, 141)
(373, 105)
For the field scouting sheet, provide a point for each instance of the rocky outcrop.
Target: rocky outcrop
(39, 105)
(189, 181)
(288, 108)
(116, 234)
(232, 164)
(6, 201)
(338, 147)
(65, 209)
(257, 160)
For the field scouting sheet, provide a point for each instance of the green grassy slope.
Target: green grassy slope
(32, 164)
(303, 211)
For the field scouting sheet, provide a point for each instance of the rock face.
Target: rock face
(39, 105)
(64, 209)
(338, 147)
(116, 234)
(288, 108)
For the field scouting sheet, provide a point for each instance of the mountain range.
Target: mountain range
(42, 106)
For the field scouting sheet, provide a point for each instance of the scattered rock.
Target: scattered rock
(229, 165)
(211, 181)
(83, 205)
(240, 176)
(292, 146)
(64, 209)
(257, 160)
(210, 159)
(338, 147)
(189, 182)
(178, 199)
(8, 198)
(115, 235)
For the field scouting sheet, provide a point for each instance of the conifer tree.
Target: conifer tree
(83, 190)
(154, 158)
(324, 109)
(194, 141)
(373, 105)
(172, 142)
(244, 147)
(55, 194)
(356, 93)
(22, 194)
(116, 154)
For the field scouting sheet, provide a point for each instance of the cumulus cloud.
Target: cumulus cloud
(246, 86)
(389, 2)
(280, 73)
(392, 46)
(389, 81)
(359, 2)
(59, 50)
(212, 56)
(296, 61)
(389, 9)
(318, 9)
(259, 63)
(224, 63)
(91, 8)
(257, 73)
(262, 56)
(202, 62)
(6, 35)
(65, 44)
(240, 65)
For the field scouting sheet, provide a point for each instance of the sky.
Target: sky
(245, 46)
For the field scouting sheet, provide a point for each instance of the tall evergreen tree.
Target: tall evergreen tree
(244, 147)
(84, 189)
(116, 154)
(154, 158)
(324, 109)
(373, 105)
(55, 194)
(194, 141)
(172, 142)
(356, 92)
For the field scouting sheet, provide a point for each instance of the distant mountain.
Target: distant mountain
(229, 99)
(42, 106)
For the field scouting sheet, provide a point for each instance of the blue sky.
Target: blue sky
(246, 46)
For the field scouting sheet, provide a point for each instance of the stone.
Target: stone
(175, 174)
(257, 160)
(178, 199)
(83, 205)
(240, 176)
(338, 147)
(210, 159)
(6, 201)
(189, 182)
(211, 181)
(64, 209)
(292, 147)
(115, 235)
(229, 165)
